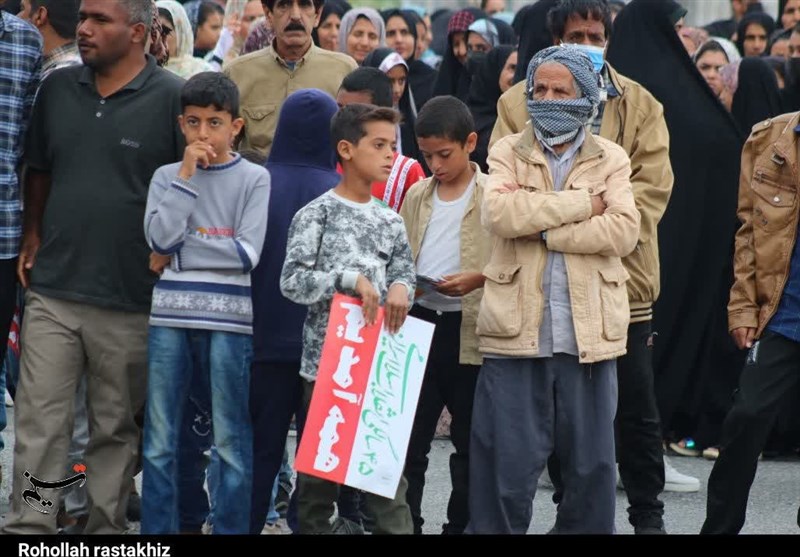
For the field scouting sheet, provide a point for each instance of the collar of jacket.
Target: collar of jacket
(786, 145)
(529, 149)
(480, 182)
(614, 77)
(273, 53)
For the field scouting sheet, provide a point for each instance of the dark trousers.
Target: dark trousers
(276, 394)
(446, 383)
(638, 433)
(8, 300)
(527, 409)
(770, 375)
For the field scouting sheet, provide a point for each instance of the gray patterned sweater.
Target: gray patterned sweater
(213, 227)
(331, 241)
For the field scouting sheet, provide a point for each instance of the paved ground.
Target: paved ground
(773, 503)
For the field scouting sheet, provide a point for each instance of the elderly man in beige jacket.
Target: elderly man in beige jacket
(555, 312)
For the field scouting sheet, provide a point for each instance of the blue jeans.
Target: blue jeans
(175, 355)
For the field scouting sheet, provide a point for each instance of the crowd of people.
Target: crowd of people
(603, 200)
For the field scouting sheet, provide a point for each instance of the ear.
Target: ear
(472, 142)
(40, 17)
(140, 34)
(345, 150)
(556, 41)
(236, 126)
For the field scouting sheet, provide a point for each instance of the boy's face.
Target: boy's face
(446, 158)
(213, 127)
(372, 157)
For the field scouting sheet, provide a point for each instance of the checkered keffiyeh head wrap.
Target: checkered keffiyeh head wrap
(558, 121)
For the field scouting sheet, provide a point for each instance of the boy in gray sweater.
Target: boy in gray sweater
(347, 241)
(208, 214)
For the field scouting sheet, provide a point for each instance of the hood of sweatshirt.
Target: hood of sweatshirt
(303, 135)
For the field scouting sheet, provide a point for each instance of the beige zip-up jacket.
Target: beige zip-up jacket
(475, 245)
(593, 247)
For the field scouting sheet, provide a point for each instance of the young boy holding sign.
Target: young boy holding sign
(346, 241)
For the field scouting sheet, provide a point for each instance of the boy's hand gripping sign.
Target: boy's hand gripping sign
(364, 401)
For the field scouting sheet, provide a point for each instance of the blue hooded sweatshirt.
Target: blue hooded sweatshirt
(302, 165)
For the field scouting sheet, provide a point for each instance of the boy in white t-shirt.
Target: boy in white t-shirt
(450, 247)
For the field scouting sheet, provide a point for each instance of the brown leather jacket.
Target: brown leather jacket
(768, 210)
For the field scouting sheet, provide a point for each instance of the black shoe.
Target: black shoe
(134, 510)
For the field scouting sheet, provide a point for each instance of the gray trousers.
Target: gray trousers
(62, 342)
(526, 409)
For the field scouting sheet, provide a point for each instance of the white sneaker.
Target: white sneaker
(9, 400)
(677, 482)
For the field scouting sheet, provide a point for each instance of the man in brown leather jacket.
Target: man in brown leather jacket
(763, 314)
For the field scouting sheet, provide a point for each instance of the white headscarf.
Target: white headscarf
(183, 63)
(349, 21)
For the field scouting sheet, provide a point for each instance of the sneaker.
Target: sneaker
(685, 447)
(346, 527)
(711, 453)
(9, 400)
(677, 482)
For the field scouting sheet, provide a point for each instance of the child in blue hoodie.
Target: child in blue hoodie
(302, 165)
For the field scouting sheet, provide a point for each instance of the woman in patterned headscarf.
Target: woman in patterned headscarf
(180, 39)
(158, 41)
(453, 76)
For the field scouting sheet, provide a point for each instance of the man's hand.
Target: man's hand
(743, 337)
(198, 153)
(598, 206)
(159, 262)
(396, 308)
(369, 299)
(460, 284)
(27, 257)
(508, 188)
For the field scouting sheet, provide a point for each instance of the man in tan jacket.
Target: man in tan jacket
(266, 77)
(763, 314)
(554, 315)
(633, 119)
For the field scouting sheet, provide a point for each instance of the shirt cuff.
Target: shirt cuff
(349, 280)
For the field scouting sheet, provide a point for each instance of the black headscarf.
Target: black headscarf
(693, 349)
(484, 92)
(758, 18)
(439, 21)
(519, 19)
(534, 35)
(409, 138)
(453, 78)
(421, 76)
(757, 96)
(337, 7)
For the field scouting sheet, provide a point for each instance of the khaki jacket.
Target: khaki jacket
(475, 245)
(768, 210)
(264, 82)
(512, 305)
(634, 120)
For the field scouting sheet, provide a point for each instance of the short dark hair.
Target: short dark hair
(350, 123)
(211, 89)
(62, 15)
(166, 14)
(446, 117)
(587, 9)
(372, 81)
(270, 4)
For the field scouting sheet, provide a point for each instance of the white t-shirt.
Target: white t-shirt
(440, 253)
